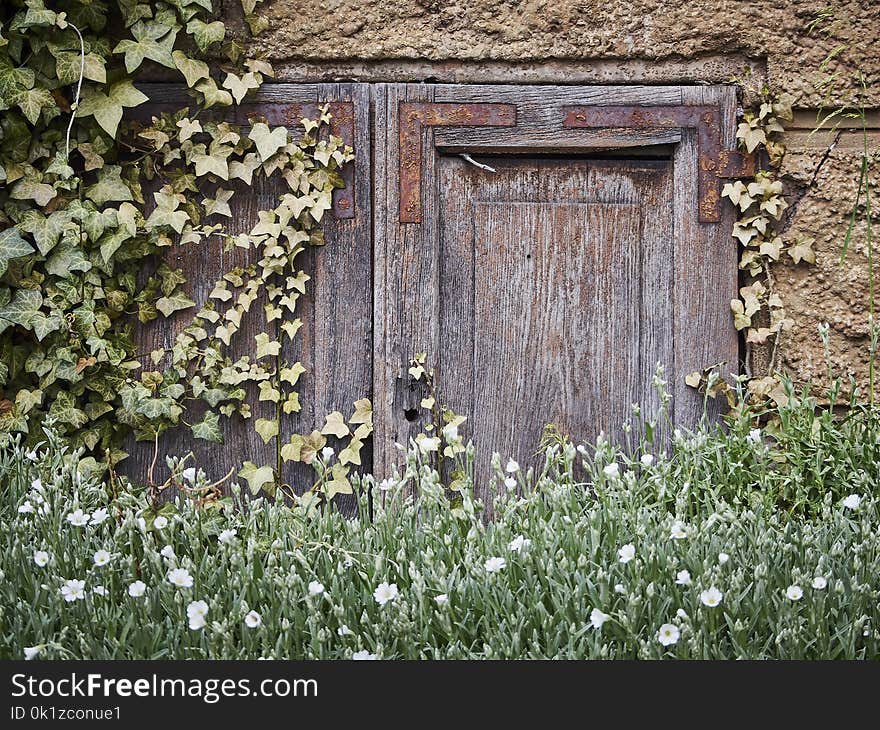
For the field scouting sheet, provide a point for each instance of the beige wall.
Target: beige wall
(638, 41)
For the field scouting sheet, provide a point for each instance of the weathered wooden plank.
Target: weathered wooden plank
(705, 278)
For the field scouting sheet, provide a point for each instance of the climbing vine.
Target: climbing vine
(759, 311)
(92, 193)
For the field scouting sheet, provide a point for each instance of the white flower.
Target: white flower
(101, 558)
(99, 515)
(137, 589)
(518, 543)
(363, 655)
(344, 631)
(618, 588)
(597, 618)
(511, 467)
(180, 577)
(189, 474)
(160, 523)
(252, 620)
(78, 518)
(450, 433)
(493, 565)
(627, 552)
(723, 558)
(196, 613)
(820, 583)
(681, 613)
(794, 593)
(99, 591)
(73, 590)
(26, 508)
(754, 436)
(142, 524)
(611, 470)
(385, 592)
(683, 578)
(327, 453)
(647, 459)
(678, 532)
(167, 552)
(31, 652)
(316, 588)
(852, 501)
(227, 536)
(711, 597)
(442, 599)
(510, 483)
(41, 558)
(386, 484)
(32, 455)
(668, 634)
(429, 444)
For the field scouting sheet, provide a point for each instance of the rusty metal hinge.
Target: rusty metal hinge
(413, 117)
(714, 162)
(342, 126)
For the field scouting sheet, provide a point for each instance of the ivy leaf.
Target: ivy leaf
(45, 325)
(64, 410)
(239, 87)
(256, 477)
(107, 108)
(339, 484)
(66, 259)
(802, 250)
(33, 101)
(208, 428)
(363, 411)
(192, 69)
(267, 428)
(174, 303)
(30, 188)
(109, 187)
(213, 95)
(215, 164)
(351, 454)
(265, 346)
(750, 136)
(268, 141)
(23, 308)
(292, 451)
(205, 34)
(69, 63)
(291, 375)
(291, 327)
(12, 246)
(153, 40)
(335, 425)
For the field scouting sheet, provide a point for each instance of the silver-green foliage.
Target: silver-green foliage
(569, 521)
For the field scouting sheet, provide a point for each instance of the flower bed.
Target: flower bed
(659, 557)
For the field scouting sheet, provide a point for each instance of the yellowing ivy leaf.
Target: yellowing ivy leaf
(208, 428)
(335, 425)
(267, 428)
(107, 108)
(177, 301)
(256, 477)
(265, 346)
(268, 141)
(192, 69)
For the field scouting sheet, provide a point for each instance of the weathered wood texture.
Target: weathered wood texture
(335, 342)
(549, 306)
(622, 275)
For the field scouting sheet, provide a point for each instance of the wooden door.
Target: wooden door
(548, 290)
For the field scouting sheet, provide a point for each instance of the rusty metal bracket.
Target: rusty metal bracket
(341, 125)
(413, 117)
(714, 162)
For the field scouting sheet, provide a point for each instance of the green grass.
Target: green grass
(773, 505)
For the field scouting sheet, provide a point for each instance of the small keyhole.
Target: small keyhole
(411, 414)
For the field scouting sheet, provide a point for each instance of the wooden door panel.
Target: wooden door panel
(543, 319)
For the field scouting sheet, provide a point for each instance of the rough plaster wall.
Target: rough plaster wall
(643, 41)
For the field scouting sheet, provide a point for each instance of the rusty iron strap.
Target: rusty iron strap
(714, 162)
(341, 125)
(413, 118)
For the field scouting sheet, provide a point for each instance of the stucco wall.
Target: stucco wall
(638, 41)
